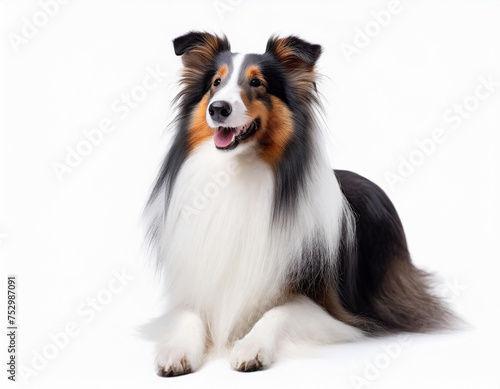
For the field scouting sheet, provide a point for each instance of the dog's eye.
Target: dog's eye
(217, 81)
(255, 82)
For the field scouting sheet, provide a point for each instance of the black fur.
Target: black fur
(306, 52)
(376, 277)
(187, 42)
(379, 239)
(293, 167)
(316, 274)
(294, 164)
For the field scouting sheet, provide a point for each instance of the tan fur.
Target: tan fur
(200, 56)
(334, 307)
(203, 53)
(286, 55)
(276, 127)
(254, 72)
(301, 74)
(406, 301)
(222, 72)
(199, 129)
(279, 130)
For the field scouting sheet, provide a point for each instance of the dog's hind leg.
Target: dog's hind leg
(297, 320)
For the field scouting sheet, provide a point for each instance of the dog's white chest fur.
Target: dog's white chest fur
(221, 252)
(221, 257)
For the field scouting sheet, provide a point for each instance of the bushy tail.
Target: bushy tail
(378, 284)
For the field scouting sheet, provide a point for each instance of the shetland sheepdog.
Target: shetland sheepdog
(258, 240)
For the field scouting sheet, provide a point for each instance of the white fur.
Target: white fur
(227, 263)
(231, 92)
(181, 346)
(297, 320)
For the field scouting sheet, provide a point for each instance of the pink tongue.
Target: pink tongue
(223, 138)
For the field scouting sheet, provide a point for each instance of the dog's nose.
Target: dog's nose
(219, 110)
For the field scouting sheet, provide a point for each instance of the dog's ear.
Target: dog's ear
(293, 52)
(199, 47)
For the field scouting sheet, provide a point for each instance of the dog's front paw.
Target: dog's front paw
(251, 355)
(172, 362)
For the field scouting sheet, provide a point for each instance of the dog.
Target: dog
(258, 240)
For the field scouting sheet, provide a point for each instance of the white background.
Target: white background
(65, 238)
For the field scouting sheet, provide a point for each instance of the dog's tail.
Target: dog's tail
(377, 281)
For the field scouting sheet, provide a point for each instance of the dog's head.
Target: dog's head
(250, 99)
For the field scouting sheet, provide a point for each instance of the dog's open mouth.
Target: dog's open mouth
(227, 138)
